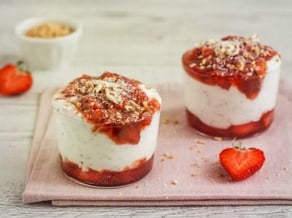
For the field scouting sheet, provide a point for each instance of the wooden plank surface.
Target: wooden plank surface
(141, 39)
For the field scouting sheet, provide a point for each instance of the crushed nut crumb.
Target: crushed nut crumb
(218, 138)
(198, 141)
(166, 120)
(168, 155)
(195, 165)
(174, 182)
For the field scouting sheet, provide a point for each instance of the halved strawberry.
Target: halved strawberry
(240, 162)
(14, 80)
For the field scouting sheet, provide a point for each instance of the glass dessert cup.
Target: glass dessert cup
(105, 155)
(230, 105)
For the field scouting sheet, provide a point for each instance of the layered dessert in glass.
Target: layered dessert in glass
(107, 129)
(231, 86)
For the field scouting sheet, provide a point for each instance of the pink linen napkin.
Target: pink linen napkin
(186, 169)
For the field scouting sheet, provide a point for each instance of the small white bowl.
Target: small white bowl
(44, 53)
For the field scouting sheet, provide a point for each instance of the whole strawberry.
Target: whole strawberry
(240, 162)
(14, 80)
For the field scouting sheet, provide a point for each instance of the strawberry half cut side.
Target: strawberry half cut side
(14, 80)
(240, 163)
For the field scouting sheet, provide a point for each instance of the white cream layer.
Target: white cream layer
(221, 108)
(95, 150)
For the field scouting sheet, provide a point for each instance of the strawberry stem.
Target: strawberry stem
(237, 144)
(21, 66)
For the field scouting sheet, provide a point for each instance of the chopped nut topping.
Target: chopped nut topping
(110, 99)
(148, 86)
(230, 56)
(49, 30)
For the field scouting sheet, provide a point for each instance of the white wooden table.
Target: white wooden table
(141, 39)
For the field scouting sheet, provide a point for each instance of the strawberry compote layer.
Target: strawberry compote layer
(107, 129)
(231, 86)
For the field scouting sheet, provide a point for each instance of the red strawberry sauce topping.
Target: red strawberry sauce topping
(114, 104)
(232, 61)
